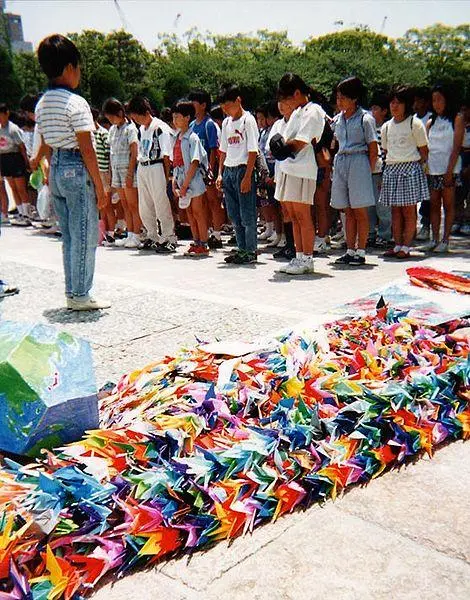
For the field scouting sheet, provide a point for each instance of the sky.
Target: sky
(302, 19)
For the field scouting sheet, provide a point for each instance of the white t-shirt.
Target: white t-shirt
(60, 114)
(305, 124)
(425, 118)
(238, 138)
(402, 140)
(154, 146)
(11, 138)
(441, 144)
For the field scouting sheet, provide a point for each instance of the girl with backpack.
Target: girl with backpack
(446, 131)
(405, 149)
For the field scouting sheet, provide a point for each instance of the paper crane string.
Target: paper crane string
(198, 448)
(438, 280)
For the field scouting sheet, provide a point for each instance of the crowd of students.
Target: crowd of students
(294, 174)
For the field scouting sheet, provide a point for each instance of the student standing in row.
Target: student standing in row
(123, 143)
(404, 184)
(66, 126)
(295, 186)
(152, 176)
(445, 131)
(352, 189)
(238, 152)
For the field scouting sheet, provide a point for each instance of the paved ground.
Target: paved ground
(405, 536)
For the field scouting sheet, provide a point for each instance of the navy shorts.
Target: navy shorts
(12, 165)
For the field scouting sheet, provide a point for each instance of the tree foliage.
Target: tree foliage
(256, 62)
(10, 85)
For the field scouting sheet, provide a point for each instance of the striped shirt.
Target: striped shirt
(60, 114)
(102, 148)
(120, 138)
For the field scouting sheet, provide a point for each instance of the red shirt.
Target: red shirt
(178, 154)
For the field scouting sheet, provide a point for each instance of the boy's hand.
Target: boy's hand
(218, 183)
(101, 199)
(33, 164)
(130, 181)
(245, 185)
(449, 179)
(183, 190)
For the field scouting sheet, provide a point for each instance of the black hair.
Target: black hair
(102, 120)
(272, 109)
(139, 105)
(381, 100)
(229, 93)
(202, 97)
(217, 113)
(405, 95)
(352, 88)
(289, 83)
(423, 93)
(4, 108)
(94, 113)
(113, 106)
(28, 122)
(323, 101)
(166, 115)
(28, 102)
(450, 111)
(262, 109)
(184, 107)
(55, 52)
(18, 118)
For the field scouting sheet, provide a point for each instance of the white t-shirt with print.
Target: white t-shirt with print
(151, 145)
(305, 124)
(238, 138)
(402, 140)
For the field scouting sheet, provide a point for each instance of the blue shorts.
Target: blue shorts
(352, 182)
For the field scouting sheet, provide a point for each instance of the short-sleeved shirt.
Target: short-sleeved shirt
(402, 140)
(356, 133)
(11, 137)
(60, 115)
(102, 148)
(207, 132)
(154, 141)
(120, 139)
(305, 125)
(238, 138)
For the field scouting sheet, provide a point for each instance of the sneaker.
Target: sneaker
(455, 229)
(20, 221)
(358, 260)
(88, 304)
(273, 240)
(5, 220)
(346, 259)
(290, 265)
(320, 247)
(245, 258)
(191, 250)
(429, 247)
(423, 234)
(338, 237)
(214, 243)
(299, 266)
(381, 243)
(148, 244)
(34, 215)
(230, 259)
(465, 230)
(120, 242)
(285, 252)
(203, 250)
(132, 241)
(7, 290)
(390, 253)
(165, 248)
(232, 241)
(402, 255)
(309, 264)
(265, 235)
(108, 241)
(442, 248)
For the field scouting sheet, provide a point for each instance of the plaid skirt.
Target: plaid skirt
(404, 184)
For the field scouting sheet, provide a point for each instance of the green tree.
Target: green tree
(105, 82)
(10, 85)
(29, 73)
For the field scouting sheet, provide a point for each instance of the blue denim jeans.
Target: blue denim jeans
(74, 199)
(241, 208)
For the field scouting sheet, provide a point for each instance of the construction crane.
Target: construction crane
(382, 28)
(122, 16)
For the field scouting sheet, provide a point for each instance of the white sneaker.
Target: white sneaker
(429, 247)
(283, 268)
(132, 242)
(265, 235)
(321, 247)
(88, 304)
(423, 234)
(282, 242)
(442, 248)
(274, 240)
(297, 266)
(121, 243)
(309, 264)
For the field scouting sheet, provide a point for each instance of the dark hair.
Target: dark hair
(289, 83)
(4, 108)
(139, 105)
(352, 88)
(184, 107)
(102, 120)
(28, 102)
(28, 122)
(262, 109)
(202, 97)
(423, 93)
(217, 113)
(18, 118)
(381, 100)
(94, 113)
(229, 93)
(112, 106)
(450, 111)
(405, 95)
(272, 109)
(323, 101)
(55, 52)
(166, 115)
